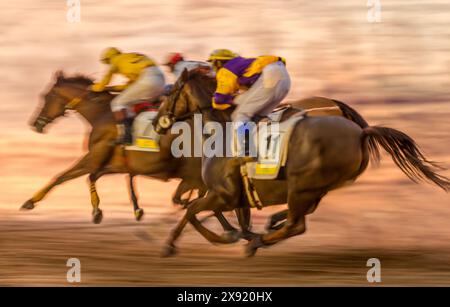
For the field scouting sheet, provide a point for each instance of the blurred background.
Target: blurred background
(392, 65)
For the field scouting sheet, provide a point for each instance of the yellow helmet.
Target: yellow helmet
(222, 55)
(109, 53)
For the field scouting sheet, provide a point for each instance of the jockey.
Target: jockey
(255, 85)
(176, 63)
(145, 81)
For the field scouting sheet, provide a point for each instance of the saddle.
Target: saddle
(271, 139)
(272, 147)
(272, 156)
(144, 136)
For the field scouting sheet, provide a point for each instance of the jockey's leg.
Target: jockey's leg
(268, 91)
(276, 78)
(149, 85)
(123, 122)
(262, 97)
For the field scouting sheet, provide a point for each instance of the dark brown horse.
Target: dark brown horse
(324, 154)
(72, 93)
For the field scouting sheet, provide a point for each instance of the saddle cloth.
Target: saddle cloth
(144, 136)
(273, 144)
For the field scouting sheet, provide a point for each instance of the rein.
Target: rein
(75, 101)
(71, 105)
(170, 117)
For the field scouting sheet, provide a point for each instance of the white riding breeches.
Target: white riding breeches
(149, 85)
(264, 95)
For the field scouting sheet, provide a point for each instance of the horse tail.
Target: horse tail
(406, 155)
(355, 117)
(351, 114)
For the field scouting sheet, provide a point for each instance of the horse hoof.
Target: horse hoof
(138, 214)
(253, 245)
(250, 251)
(97, 216)
(168, 251)
(232, 236)
(28, 205)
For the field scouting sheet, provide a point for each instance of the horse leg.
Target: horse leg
(97, 214)
(298, 204)
(138, 212)
(230, 232)
(182, 188)
(226, 238)
(244, 218)
(276, 218)
(209, 202)
(170, 249)
(79, 169)
(202, 192)
(224, 222)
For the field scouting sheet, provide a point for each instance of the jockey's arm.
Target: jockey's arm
(101, 86)
(227, 85)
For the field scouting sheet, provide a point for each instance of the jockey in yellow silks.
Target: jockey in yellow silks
(145, 81)
(255, 85)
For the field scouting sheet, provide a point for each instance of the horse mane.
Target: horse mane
(205, 87)
(77, 79)
(206, 84)
(84, 82)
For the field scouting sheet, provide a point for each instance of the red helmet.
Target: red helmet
(174, 58)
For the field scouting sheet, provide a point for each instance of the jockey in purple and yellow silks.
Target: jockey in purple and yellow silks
(255, 85)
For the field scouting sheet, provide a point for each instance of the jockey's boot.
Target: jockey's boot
(127, 136)
(124, 125)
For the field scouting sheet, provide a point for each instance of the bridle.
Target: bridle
(71, 105)
(168, 119)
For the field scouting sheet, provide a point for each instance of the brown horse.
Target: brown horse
(72, 93)
(324, 154)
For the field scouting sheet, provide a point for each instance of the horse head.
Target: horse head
(191, 93)
(65, 94)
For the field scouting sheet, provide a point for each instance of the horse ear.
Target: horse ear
(185, 75)
(59, 75)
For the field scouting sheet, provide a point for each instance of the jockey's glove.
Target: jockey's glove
(97, 87)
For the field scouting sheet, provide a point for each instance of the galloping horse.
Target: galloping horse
(103, 157)
(72, 93)
(324, 153)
